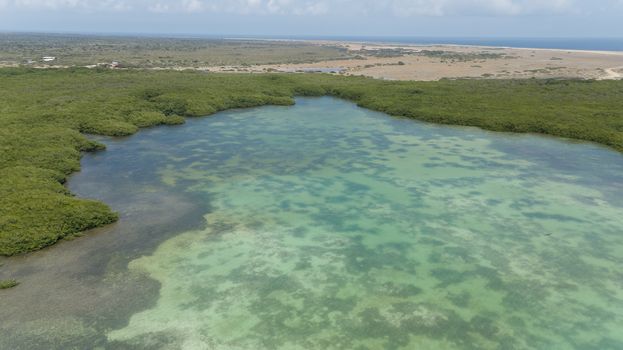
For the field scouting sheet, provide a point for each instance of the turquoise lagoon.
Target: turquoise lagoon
(327, 226)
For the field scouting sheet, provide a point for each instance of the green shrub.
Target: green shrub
(6, 284)
(172, 105)
(144, 119)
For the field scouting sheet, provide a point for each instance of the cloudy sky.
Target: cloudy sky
(493, 18)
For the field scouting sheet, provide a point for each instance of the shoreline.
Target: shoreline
(379, 59)
(406, 44)
(429, 62)
(486, 104)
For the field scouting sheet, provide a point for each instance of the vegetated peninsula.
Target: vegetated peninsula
(45, 114)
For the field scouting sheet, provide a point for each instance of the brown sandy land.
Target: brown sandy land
(613, 73)
(517, 63)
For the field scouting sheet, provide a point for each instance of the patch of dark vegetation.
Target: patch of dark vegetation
(444, 56)
(453, 56)
(6, 284)
(383, 52)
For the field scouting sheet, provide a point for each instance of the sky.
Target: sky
(413, 18)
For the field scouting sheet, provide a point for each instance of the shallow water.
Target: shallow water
(328, 226)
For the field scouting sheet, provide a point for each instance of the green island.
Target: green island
(45, 115)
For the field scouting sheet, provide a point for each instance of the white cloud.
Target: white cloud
(285, 7)
(403, 8)
(159, 8)
(192, 5)
(479, 7)
(88, 5)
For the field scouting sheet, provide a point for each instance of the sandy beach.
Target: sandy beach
(434, 62)
(392, 61)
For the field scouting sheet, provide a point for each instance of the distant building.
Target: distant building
(114, 64)
(48, 58)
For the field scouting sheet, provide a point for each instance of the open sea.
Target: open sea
(600, 44)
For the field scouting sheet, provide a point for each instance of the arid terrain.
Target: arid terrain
(410, 62)
(377, 60)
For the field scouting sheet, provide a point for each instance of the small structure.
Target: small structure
(48, 58)
(114, 64)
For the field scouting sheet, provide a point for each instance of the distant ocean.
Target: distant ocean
(600, 44)
(597, 44)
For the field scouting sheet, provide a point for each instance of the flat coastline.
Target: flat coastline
(429, 62)
(376, 59)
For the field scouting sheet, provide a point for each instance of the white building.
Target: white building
(48, 58)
